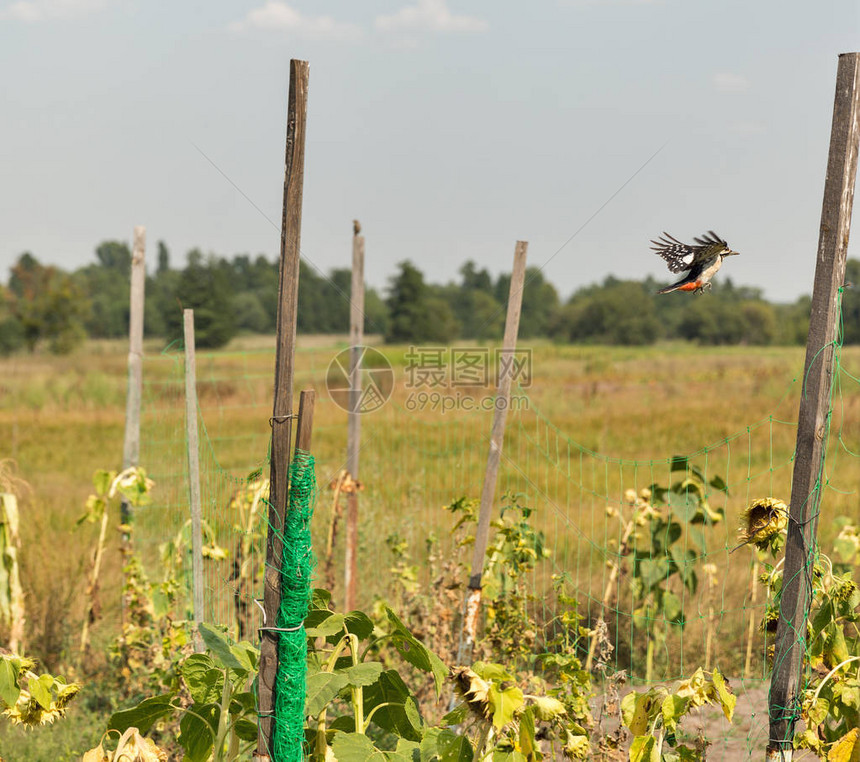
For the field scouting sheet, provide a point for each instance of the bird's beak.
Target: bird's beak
(730, 252)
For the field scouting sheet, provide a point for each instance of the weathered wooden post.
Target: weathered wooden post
(353, 431)
(131, 439)
(282, 413)
(192, 441)
(472, 604)
(814, 416)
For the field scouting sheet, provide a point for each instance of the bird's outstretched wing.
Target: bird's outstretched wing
(680, 256)
(709, 239)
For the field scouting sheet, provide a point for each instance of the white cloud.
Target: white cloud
(279, 16)
(48, 10)
(729, 82)
(429, 15)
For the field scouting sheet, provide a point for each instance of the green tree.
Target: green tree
(851, 303)
(336, 294)
(48, 305)
(619, 312)
(713, 321)
(311, 307)
(760, 323)
(375, 313)
(107, 284)
(540, 302)
(160, 302)
(479, 313)
(115, 255)
(792, 321)
(415, 314)
(205, 287)
(11, 330)
(163, 258)
(475, 279)
(250, 315)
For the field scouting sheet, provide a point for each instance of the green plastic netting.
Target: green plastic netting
(296, 569)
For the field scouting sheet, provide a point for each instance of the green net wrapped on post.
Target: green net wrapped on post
(296, 569)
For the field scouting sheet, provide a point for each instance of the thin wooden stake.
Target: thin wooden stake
(192, 441)
(328, 565)
(305, 420)
(131, 440)
(353, 441)
(754, 574)
(291, 233)
(472, 604)
(814, 416)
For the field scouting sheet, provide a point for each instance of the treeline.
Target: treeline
(44, 305)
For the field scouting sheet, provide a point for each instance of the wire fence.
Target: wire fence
(646, 546)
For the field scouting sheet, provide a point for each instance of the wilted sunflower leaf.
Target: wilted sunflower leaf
(504, 704)
(847, 748)
(727, 699)
(644, 749)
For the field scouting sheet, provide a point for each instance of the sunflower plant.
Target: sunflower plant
(654, 717)
(830, 701)
(28, 698)
(665, 546)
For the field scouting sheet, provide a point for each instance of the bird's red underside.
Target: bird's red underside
(690, 286)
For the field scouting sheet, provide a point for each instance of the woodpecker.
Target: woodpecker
(701, 259)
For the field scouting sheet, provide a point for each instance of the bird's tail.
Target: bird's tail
(689, 283)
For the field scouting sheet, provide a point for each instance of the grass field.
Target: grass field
(599, 420)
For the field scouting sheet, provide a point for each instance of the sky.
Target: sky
(449, 128)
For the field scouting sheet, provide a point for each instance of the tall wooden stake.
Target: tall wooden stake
(192, 441)
(282, 413)
(131, 441)
(814, 416)
(497, 437)
(353, 431)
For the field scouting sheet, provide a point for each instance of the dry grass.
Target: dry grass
(609, 420)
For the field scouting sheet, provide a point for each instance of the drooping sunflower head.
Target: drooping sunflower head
(762, 520)
(474, 690)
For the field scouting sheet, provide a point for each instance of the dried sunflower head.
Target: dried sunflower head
(576, 746)
(762, 520)
(28, 711)
(474, 690)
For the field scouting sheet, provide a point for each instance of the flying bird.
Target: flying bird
(701, 259)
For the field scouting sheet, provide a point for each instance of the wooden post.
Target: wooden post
(192, 442)
(814, 416)
(472, 605)
(353, 432)
(305, 420)
(282, 413)
(131, 441)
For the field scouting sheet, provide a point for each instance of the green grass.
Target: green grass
(601, 420)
